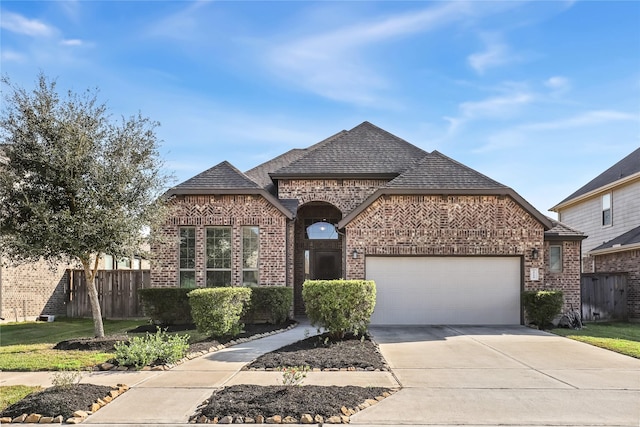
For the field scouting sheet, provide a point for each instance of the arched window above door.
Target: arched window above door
(322, 230)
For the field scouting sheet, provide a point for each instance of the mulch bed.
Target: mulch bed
(244, 401)
(249, 401)
(321, 352)
(57, 400)
(107, 343)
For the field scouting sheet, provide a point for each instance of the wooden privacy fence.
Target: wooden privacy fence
(604, 296)
(117, 291)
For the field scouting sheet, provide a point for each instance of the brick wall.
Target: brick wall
(222, 210)
(624, 262)
(450, 225)
(568, 280)
(32, 289)
(345, 194)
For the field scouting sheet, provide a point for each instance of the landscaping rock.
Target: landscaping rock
(33, 418)
(306, 419)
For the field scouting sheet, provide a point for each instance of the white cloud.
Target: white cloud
(72, 42)
(496, 107)
(12, 56)
(334, 64)
(496, 54)
(589, 118)
(557, 82)
(19, 24)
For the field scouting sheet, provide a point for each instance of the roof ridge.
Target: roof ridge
(203, 176)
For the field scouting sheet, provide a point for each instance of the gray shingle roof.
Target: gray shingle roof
(365, 150)
(222, 176)
(561, 231)
(437, 171)
(624, 168)
(631, 237)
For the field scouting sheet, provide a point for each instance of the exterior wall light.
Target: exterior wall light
(534, 253)
(354, 254)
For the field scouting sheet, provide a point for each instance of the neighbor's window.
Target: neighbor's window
(218, 256)
(136, 264)
(555, 259)
(187, 262)
(606, 209)
(108, 262)
(250, 246)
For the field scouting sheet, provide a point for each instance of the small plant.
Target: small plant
(65, 379)
(152, 348)
(293, 375)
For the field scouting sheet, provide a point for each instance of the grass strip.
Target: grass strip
(42, 357)
(10, 394)
(623, 338)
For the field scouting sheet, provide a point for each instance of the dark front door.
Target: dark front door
(327, 265)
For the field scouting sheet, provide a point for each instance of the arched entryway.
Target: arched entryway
(318, 247)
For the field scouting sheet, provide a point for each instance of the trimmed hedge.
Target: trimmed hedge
(217, 311)
(340, 306)
(167, 306)
(542, 306)
(269, 303)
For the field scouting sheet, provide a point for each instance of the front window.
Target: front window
(218, 256)
(606, 209)
(555, 259)
(187, 262)
(250, 246)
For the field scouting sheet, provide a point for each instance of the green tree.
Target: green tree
(75, 183)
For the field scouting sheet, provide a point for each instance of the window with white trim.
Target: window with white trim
(218, 256)
(555, 259)
(250, 254)
(187, 261)
(606, 209)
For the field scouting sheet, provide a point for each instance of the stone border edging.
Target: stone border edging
(111, 367)
(344, 418)
(78, 416)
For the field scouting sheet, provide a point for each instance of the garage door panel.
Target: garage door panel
(446, 290)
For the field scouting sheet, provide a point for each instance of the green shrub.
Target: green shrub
(269, 303)
(542, 306)
(167, 306)
(152, 348)
(340, 306)
(217, 311)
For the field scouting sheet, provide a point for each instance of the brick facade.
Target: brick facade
(235, 211)
(443, 226)
(345, 194)
(32, 289)
(568, 280)
(624, 262)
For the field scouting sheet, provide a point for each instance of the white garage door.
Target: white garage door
(445, 290)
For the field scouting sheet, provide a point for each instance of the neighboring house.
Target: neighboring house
(607, 209)
(32, 289)
(444, 243)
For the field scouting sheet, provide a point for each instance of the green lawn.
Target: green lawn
(63, 328)
(28, 346)
(620, 337)
(10, 394)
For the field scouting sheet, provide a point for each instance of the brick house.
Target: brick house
(444, 243)
(607, 209)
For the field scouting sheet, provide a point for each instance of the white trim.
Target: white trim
(592, 193)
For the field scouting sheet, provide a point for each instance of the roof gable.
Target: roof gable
(561, 231)
(222, 176)
(626, 167)
(365, 150)
(437, 171)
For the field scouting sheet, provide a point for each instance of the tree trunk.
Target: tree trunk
(90, 277)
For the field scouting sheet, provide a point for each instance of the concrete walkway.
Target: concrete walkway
(503, 376)
(451, 376)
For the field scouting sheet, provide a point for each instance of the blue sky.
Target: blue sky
(541, 96)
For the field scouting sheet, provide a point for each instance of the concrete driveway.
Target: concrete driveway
(455, 375)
